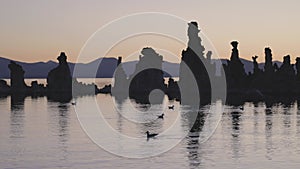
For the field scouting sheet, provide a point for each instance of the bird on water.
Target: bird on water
(161, 116)
(171, 107)
(150, 135)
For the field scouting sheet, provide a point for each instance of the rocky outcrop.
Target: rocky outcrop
(17, 77)
(4, 88)
(59, 79)
(148, 75)
(194, 69)
(235, 72)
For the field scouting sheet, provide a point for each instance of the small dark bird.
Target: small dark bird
(161, 116)
(73, 103)
(150, 135)
(171, 107)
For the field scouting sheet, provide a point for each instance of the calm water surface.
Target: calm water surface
(37, 133)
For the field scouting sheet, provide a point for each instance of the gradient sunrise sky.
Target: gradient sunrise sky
(37, 30)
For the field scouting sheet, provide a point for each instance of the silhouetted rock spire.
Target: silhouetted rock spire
(173, 89)
(236, 66)
(286, 70)
(16, 76)
(59, 79)
(4, 88)
(119, 60)
(120, 88)
(235, 69)
(148, 75)
(208, 56)
(269, 69)
(235, 52)
(265, 82)
(193, 69)
(298, 67)
(195, 42)
(256, 69)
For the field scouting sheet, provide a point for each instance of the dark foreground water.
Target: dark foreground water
(38, 133)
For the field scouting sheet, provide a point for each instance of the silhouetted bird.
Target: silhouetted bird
(150, 135)
(161, 116)
(171, 107)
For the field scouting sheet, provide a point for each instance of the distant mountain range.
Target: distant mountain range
(105, 69)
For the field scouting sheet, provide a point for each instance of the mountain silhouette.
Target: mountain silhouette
(106, 70)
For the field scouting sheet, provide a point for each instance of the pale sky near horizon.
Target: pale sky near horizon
(38, 30)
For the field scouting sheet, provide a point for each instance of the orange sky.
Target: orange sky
(37, 30)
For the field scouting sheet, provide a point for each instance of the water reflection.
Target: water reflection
(235, 122)
(60, 97)
(193, 146)
(17, 116)
(17, 101)
(59, 124)
(268, 133)
(287, 113)
(260, 134)
(16, 128)
(235, 127)
(119, 109)
(192, 139)
(63, 122)
(298, 119)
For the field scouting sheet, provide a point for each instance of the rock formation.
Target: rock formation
(4, 88)
(269, 69)
(120, 79)
(59, 79)
(196, 69)
(193, 69)
(256, 70)
(173, 90)
(285, 76)
(297, 65)
(236, 72)
(16, 77)
(121, 86)
(148, 75)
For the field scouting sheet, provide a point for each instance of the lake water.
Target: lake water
(37, 133)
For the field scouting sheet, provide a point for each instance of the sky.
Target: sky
(38, 30)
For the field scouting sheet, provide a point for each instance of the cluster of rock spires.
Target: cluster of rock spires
(193, 74)
(148, 75)
(196, 71)
(60, 84)
(271, 83)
